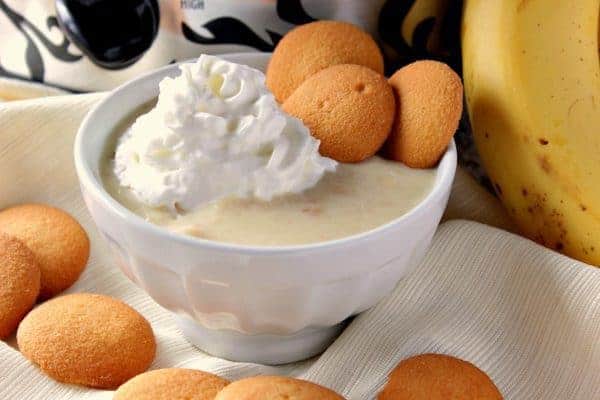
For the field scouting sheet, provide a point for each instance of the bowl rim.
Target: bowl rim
(89, 182)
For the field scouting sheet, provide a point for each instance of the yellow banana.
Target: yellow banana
(532, 81)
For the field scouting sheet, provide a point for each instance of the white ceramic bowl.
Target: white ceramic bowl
(260, 304)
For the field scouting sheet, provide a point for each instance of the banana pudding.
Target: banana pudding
(217, 158)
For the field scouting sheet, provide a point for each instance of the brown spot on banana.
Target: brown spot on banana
(522, 4)
(498, 188)
(545, 164)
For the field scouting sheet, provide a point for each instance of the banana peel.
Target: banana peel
(532, 83)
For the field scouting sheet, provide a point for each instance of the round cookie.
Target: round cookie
(275, 388)
(438, 377)
(429, 98)
(349, 108)
(312, 47)
(59, 243)
(19, 283)
(87, 339)
(171, 384)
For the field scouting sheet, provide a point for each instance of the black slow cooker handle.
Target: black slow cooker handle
(112, 33)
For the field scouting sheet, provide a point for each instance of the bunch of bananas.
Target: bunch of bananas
(532, 81)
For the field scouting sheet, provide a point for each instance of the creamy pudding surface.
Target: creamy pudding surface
(356, 198)
(215, 157)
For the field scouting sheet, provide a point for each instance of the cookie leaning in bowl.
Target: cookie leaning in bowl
(87, 339)
(309, 48)
(429, 99)
(438, 377)
(349, 108)
(172, 384)
(57, 240)
(19, 283)
(275, 388)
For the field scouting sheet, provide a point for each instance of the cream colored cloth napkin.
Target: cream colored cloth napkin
(527, 316)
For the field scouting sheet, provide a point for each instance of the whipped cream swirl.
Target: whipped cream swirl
(216, 131)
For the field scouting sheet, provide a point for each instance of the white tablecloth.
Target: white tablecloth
(526, 315)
